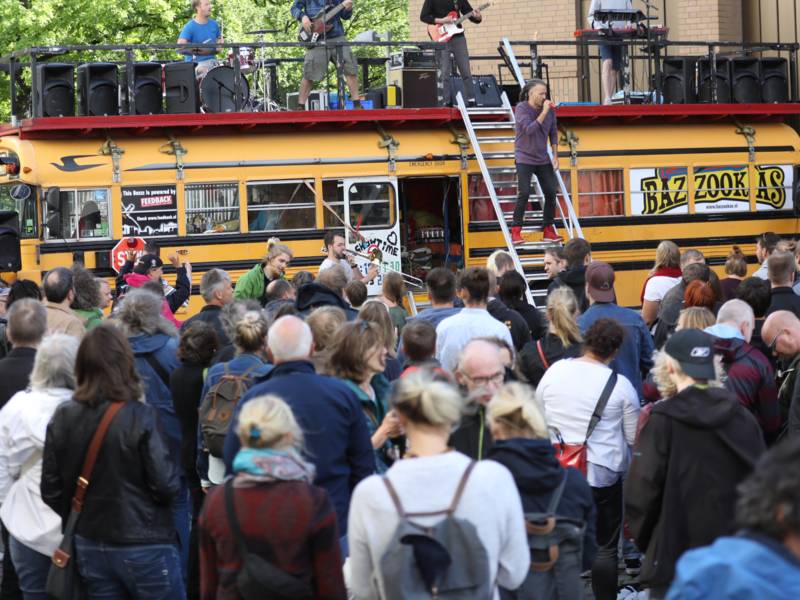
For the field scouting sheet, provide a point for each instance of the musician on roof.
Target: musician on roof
(611, 55)
(315, 65)
(440, 12)
(201, 29)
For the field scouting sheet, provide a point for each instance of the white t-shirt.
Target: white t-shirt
(490, 501)
(455, 332)
(330, 263)
(658, 286)
(569, 392)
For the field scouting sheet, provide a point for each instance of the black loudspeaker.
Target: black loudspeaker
(677, 80)
(181, 84)
(704, 79)
(55, 90)
(98, 91)
(418, 86)
(745, 80)
(10, 258)
(512, 90)
(487, 92)
(377, 96)
(144, 97)
(774, 80)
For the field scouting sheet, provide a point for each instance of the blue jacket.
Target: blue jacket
(746, 566)
(311, 8)
(335, 431)
(157, 393)
(635, 356)
(237, 366)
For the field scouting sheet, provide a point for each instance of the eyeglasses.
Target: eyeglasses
(497, 379)
(774, 342)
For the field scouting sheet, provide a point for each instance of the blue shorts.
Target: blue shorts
(613, 53)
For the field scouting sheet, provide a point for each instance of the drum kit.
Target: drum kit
(216, 80)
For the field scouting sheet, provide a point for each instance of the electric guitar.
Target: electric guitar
(320, 23)
(443, 33)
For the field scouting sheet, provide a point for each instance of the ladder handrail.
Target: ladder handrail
(487, 179)
(574, 226)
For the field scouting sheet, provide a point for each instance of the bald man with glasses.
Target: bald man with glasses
(781, 333)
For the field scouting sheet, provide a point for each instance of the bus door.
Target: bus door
(372, 213)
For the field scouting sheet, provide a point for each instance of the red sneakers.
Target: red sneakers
(516, 235)
(550, 235)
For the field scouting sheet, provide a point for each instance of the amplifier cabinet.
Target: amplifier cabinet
(418, 86)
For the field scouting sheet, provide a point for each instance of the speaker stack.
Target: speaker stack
(677, 80)
(55, 90)
(144, 96)
(774, 79)
(181, 86)
(98, 89)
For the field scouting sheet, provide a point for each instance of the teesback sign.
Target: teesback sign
(119, 251)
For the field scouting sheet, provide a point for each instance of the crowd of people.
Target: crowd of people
(296, 439)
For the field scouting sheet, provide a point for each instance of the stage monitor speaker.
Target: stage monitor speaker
(723, 77)
(145, 92)
(774, 80)
(98, 90)
(512, 90)
(55, 90)
(377, 96)
(677, 80)
(10, 258)
(181, 84)
(745, 80)
(418, 86)
(487, 92)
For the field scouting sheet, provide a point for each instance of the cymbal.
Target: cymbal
(261, 31)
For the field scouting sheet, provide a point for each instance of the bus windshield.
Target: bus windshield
(20, 198)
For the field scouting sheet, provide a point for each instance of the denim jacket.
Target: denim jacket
(311, 8)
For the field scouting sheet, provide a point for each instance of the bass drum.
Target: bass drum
(217, 93)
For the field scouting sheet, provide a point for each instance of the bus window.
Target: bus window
(333, 194)
(212, 208)
(480, 203)
(20, 198)
(84, 215)
(371, 204)
(280, 205)
(601, 193)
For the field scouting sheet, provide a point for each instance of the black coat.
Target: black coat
(520, 334)
(186, 386)
(680, 491)
(537, 473)
(314, 295)
(529, 363)
(783, 298)
(134, 479)
(210, 314)
(15, 372)
(574, 279)
(472, 437)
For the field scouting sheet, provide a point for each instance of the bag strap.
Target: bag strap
(395, 498)
(460, 489)
(555, 499)
(543, 358)
(91, 455)
(601, 404)
(160, 370)
(230, 508)
(448, 511)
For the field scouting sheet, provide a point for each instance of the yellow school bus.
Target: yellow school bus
(405, 180)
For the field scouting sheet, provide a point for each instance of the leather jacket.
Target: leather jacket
(134, 480)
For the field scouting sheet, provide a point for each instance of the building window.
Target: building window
(273, 205)
(212, 208)
(601, 193)
(81, 215)
(371, 204)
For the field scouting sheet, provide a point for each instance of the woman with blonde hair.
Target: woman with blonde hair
(271, 508)
(665, 274)
(423, 486)
(522, 445)
(563, 339)
(253, 284)
(695, 317)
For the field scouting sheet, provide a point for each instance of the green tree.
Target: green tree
(32, 23)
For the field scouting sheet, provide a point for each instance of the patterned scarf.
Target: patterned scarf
(260, 465)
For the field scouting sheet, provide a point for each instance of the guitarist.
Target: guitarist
(435, 12)
(315, 65)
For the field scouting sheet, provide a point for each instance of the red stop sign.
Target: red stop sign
(119, 252)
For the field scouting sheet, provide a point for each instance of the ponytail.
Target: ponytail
(561, 309)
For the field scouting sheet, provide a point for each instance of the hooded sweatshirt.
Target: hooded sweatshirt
(750, 377)
(681, 487)
(314, 295)
(537, 473)
(574, 279)
(135, 280)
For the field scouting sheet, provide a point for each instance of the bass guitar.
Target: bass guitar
(320, 23)
(443, 33)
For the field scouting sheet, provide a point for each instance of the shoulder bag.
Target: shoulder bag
(574, 455)
(63, 580)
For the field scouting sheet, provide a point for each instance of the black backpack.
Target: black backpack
(259, 579)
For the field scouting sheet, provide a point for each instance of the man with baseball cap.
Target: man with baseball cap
(691, 454)
(635, 355)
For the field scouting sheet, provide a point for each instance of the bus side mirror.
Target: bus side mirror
(54, 215)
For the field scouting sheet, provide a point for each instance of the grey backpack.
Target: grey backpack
(447, 560)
